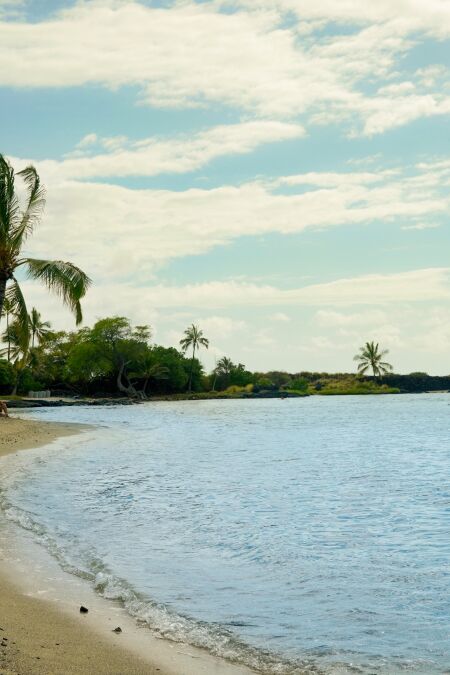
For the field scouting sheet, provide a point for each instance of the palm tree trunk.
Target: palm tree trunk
(9, 337)
(2, 294)
(192, 368)
(16, 383)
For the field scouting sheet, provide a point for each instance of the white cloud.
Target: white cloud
(142, 303)
(333, 319)
(220, 327)
(432, 16)
(131, 233)
(191, 54)
(179, 154)
(374, 289)
(280, 316)
(420, 226)
(88, 140)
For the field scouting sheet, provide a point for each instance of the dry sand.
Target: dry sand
(36, 636)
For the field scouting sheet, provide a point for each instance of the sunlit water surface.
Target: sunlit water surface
(285, 534)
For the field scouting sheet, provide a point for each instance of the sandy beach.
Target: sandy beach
(37, 636)
(18, 434)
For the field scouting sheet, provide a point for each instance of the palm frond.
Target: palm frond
(63, 278)
(185, 344)
(34, 207)
(17, 302)
(9, 203)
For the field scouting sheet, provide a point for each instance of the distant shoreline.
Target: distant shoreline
(56, 402)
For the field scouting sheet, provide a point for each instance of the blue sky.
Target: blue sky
(277, 171)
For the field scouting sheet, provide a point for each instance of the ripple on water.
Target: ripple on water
(304, 534)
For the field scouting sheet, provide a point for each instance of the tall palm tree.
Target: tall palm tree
(38, 328)
(193, 337)
(370, 357)
(16, 225)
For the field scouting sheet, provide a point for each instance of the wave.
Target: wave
(161, 620)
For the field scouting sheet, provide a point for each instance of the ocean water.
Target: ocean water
(308, 535)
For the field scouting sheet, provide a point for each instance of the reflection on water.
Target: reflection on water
(301, 532)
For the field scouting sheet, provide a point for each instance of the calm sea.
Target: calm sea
(310, 533)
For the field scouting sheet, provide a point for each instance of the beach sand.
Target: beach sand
(17, 434)
(38, 636)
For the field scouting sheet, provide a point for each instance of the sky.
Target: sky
(276, 171)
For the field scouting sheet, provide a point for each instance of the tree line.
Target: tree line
(115, 357)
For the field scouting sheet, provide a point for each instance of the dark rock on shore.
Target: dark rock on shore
(58, 403)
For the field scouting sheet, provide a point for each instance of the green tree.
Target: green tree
(18, 349)
(17, 223)
(111, 348)
(6, 374)
(193, 337)
(149, 369)
(15, 339)
(171, 359)
(222, 371)
(38, 329)
(370, 356)
(298, 384)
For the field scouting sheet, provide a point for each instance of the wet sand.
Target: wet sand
(18, 434)
(37, 636)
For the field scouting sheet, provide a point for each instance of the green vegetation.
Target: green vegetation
(17, 223)
(193, 337)
(114, 358)
(369, 357)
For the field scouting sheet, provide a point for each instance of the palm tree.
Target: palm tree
(193, 337)
(38, 328)
(16, 225)
(16, 340)
(8, 311)
(224, 368)
(18, 350)
(370, 357)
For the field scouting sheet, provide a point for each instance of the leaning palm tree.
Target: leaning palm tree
(193, 337)
(17, 223)
(38, 328)
(370, 357)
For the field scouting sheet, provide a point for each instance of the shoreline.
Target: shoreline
(41, 628)
(17, 434)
